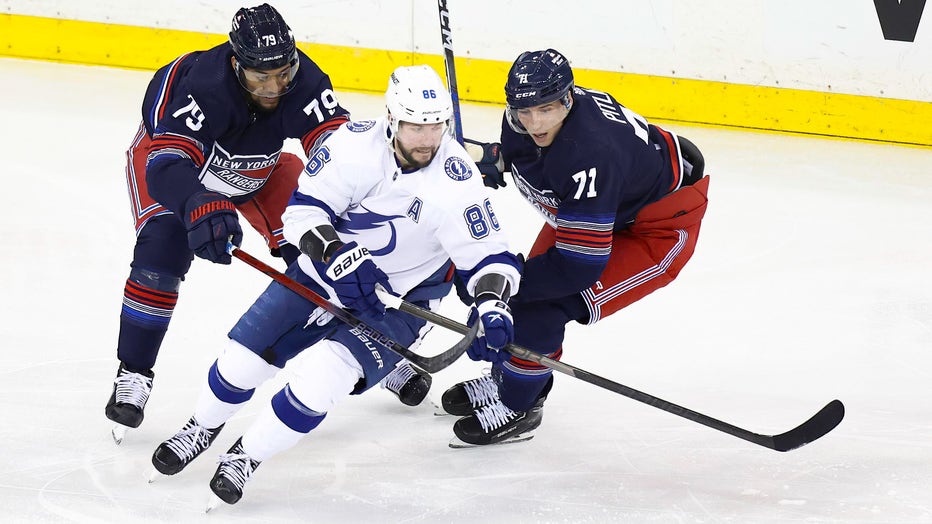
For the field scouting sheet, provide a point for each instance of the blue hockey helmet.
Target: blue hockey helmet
(536, 78)
(261, 39)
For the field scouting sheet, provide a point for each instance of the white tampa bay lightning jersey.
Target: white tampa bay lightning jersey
(412, 223)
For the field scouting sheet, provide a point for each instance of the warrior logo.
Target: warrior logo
(235, 175)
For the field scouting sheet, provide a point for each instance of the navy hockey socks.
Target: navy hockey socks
(143, 322)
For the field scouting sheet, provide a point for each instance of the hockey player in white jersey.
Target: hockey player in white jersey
(392, 202)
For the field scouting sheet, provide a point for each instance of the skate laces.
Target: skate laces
(481, 391)
(398, 378)
(237, 467)
(132, 388)
(494, 416)
(190, 441)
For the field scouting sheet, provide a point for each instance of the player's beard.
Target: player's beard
(408, 159)
(262, 104)
(255, 107)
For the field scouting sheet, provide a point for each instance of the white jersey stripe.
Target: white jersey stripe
(594, 302)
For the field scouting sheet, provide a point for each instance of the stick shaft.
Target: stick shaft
(817, 426)
(429, 364)
(446, 35)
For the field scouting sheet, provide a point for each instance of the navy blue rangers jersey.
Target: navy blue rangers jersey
(605, 164)
(206, 132)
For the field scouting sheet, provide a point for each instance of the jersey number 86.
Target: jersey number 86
(480, 219)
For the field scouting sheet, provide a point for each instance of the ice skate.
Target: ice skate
(128, 401)
(496, 424)
(176, 453)
(410, 385)
(235, 469)
(465, 398)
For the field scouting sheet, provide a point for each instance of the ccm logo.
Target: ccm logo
(525, 95)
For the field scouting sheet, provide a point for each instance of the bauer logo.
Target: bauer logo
(361, 126)
(237, 174)
(457, 168)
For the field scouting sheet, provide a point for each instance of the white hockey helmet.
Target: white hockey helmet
(416, 95)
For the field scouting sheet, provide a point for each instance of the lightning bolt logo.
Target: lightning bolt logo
(369, 220)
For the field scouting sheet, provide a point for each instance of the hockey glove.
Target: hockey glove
(353, 276)
(211, 221)
(496, 332)
(488, 158)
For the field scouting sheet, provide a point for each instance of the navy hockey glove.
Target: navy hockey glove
(496, 332)
(211, 221)
(353, 276)
(488, 158)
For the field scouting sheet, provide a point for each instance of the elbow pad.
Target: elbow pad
(320, 243)
(492, 286)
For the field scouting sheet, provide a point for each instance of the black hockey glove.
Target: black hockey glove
(211, 221)
(488, 158)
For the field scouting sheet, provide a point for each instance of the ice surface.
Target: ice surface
(811, 281)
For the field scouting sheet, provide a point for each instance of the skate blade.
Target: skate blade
(155, 475)
(118, 432)
(456, 443)
(438, 410)
(212, 503)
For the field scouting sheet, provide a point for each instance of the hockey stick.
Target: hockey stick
(428, 364)
(817, 426)
(446, 36)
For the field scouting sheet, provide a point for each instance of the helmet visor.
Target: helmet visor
(271, 83)
(513, 114)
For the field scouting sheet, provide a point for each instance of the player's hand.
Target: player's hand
(353, 276)
(211, 221)
(488, 158)
(496, 332)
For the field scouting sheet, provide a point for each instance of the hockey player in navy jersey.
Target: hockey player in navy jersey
(623, 201)
(392, 202)
(210, 144)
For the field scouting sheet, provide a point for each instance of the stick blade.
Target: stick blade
(443, 360)
(816, 427)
